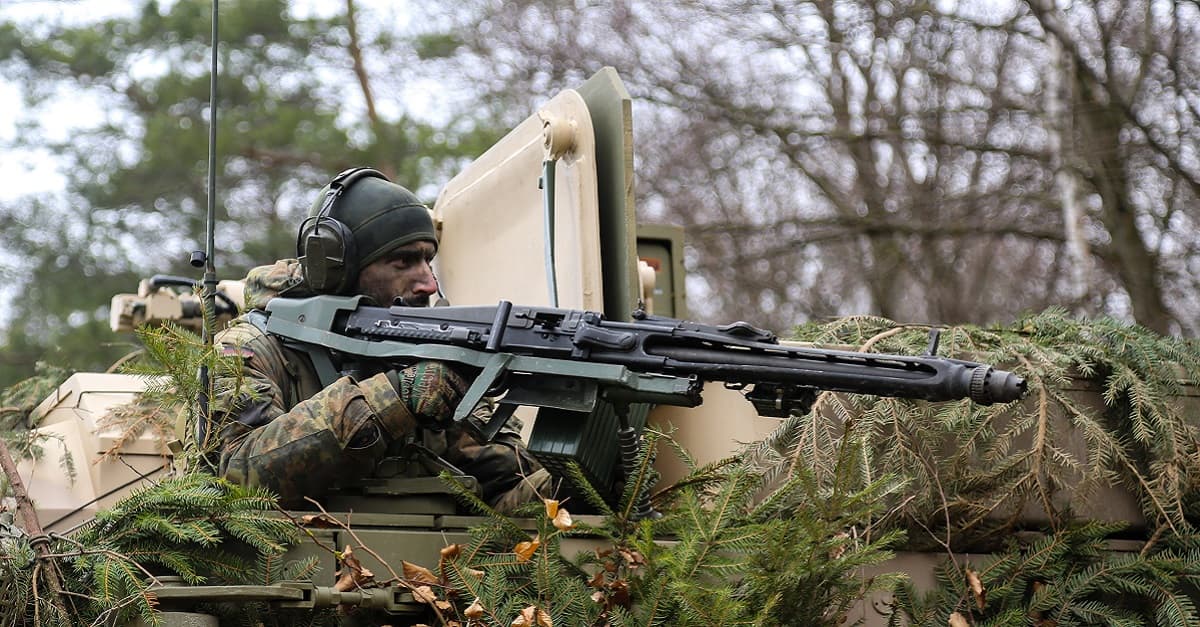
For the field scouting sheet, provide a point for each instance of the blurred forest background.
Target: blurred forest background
(937, 161)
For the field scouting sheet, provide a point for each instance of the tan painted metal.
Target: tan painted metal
(69, 423)
(491, 216)
(711, 432)
(647, 281)
(130, 311)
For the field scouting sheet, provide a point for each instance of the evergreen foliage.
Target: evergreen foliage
(198, 527)
(19, 400)
(16, 407)
(979, 471)
(168, 406)
(710, 558)
(833, 528)
(1072, 577)
(1033, 482)
(504, 570)
(837, 489)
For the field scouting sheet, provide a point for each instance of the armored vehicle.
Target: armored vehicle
(544, 218)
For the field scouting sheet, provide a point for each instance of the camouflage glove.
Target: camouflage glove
(430, 390)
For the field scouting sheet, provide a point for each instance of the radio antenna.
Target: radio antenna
(205, 258)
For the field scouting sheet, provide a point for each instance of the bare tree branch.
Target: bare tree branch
(1048, 18)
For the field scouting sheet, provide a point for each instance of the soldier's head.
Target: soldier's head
(367, 235)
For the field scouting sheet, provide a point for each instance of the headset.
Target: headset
(325, 245)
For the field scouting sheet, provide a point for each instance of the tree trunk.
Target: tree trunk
(1136, 265)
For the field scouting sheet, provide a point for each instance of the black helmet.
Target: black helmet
(359, 217)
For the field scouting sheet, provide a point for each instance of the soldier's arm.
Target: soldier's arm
(300, 451)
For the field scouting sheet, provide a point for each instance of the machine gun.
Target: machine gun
(575, 360)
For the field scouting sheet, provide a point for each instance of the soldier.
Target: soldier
(284, 430)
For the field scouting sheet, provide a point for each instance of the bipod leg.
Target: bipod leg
(629, 442)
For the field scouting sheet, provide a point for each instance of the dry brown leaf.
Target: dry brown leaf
(840, 549)
(475, 572)
(597, 580)
(450, 552)
(424, 594)
(443, 605)
(532, 617)
(353, 579)
(551, 508)
(323, 521)
(525, 550)
(474, 610)
(957, 620)
(413, 572)
(632, 558)
(562, 520)
(353, 574)
(619, 593)
(598, 596)
(345, 581)
(976, 585)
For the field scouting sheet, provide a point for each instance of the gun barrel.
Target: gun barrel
(996, 386)
(929, 378)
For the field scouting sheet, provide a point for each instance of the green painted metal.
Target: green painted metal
(179, 619)
(184, 594)
(611, 109)
(588, 439)
(662, 246)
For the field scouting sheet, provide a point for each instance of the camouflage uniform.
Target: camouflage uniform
(285, 432)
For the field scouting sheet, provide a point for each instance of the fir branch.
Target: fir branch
(1004, 458)
(590, 494)
(468, 497)
(18, 401)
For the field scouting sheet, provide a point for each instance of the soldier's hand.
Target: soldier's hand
(431, 390)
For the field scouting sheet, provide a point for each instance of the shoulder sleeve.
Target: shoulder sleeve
(294, 450)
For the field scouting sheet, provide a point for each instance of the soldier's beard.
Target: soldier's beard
(386, 299)
(416, 301)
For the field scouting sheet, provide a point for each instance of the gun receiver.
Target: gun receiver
(570, 359)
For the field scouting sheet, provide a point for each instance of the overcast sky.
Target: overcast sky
(34, 171)
(24, 172)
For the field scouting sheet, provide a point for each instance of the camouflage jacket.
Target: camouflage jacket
(279, 428)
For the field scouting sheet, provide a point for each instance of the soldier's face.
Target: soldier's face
(403, 273)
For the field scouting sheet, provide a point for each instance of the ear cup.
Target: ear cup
(328, 255)
(325, 245)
